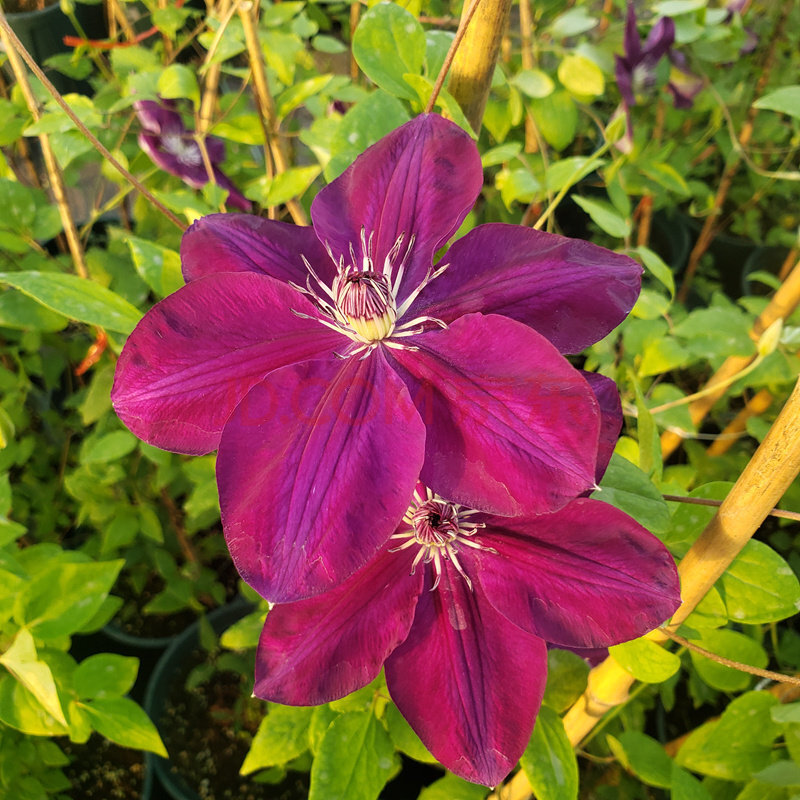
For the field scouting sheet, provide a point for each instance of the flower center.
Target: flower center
(367, 302)
(439, 528)
(185, 150)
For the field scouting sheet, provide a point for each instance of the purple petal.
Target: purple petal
(623, 71)
(659, 40)
(159, 117)
(323, 648)
(235, 197)
(152, 145)
(316, 468)
(246, 243)
(468, 681)
(631, 41)
(607, 394)
(198, 352)
(512, 427)
(587, 576)
(571, 291)
(420, 181)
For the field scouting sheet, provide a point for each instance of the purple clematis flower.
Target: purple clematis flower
(635, 71)
(332, 366)
(172, 147)
(459, 608)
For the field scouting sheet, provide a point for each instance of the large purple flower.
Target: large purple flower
(172, 147)
(459, 607)
(333, 365)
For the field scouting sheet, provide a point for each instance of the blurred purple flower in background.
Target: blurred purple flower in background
(636, 69)
(168, 142)
(459, 607)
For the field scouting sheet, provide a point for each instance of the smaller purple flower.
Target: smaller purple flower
(459, 608)
(636, 70)
(171, 146)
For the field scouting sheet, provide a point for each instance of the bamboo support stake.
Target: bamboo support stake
(266, 105)
(474, 62)
(770, 472)
(53, 170)
(755, 406)
(783, 303)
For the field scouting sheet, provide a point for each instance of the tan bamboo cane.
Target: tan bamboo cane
(771, 470)
(783, 303)
(756, 405)
(474, 63)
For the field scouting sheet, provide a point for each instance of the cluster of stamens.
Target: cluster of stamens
(439, 528)
(362, 302)
(186, 150)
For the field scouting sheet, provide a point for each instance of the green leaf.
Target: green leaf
(581, 77)
(643, 756)
(19, 709)
(355, 759)
(159, 267)
(389, 42)
(451, 787)
(672, 8)
(662, 355)
(403, 736)
(734, 646)
(124, 722)
(689, 519)
(685, 786)
(244, 634)
(627, 488)
(556, 116)
(717, 332)
(736, 745)
(533, 82)
(367, 121)
(759, 586)
(291, 184)
(786, 100)
(568, 171)
(76, 298)
(781, 773)
(549, 760)
(605, 216)
(645, 660)
(658, 268)
(22, 661)
(567, 674)
(105, 674)
(281, 736)
(572, 23)
(109, 447)
(177, 81)
(64, 596)
(17, 310)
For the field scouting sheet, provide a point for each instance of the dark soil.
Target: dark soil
(101, 770)
(208, 731)
(132, 620)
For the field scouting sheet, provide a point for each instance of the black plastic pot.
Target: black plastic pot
(42, 33)
(160, 781)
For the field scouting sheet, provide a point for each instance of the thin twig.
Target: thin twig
(727, 662)
(704, 501)
(34, 67)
